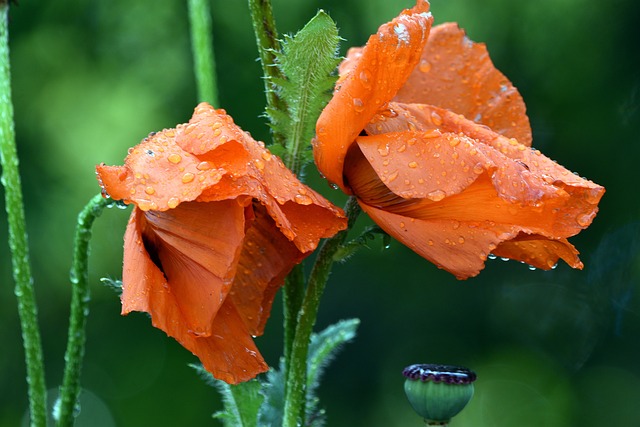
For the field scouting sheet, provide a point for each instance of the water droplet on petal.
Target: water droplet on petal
(492, 256)
(174, 158)
(303, 199)
(149, 190)
(413, 165)
(365, 78)
(436, 119)
(358, 105)
(424, 66)
(436, 195)
(173, 202)
(478, 169)
(454, 141)
(383, 150)
(583, 220)
(187, 177)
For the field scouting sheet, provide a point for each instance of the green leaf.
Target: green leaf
(323, 348)
(307, 63)
(241, 401)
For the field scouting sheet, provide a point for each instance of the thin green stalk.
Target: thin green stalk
(202, 46)
(24, 291)
(264, 27)
(292, 295)
(297, 376)
(67, 404)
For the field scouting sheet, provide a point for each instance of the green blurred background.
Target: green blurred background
(561, 348)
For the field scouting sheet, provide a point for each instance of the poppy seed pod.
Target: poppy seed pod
(438, 392)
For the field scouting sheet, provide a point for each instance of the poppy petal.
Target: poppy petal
(455, 246)
(539, 251)
(457, 74)
(266, 258)
(519, 173)
(198, 247)
(157, 175)
(386, 61)
(228, 353)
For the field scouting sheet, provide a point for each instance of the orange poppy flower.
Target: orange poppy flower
(217, 225)
(434, 142)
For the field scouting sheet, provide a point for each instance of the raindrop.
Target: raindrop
(454, 141)
(303, 199)
(358, 105)
(187, 177)
(174, 158)
(436, 195)
(504, 259)
(149, 190)
(365, 78)
(583, 220)
(532, 268)
(492, 256)
(383, 150)
(203, 166)
(173, 202)
(436, 119)
(413, 165)
(424, 66)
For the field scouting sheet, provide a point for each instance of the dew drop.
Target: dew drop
(424, 66)
(478, 169)
(436, 119)
(365, 78)
(430, 242)
(401, 225)
(303, 199)
(174, 158)
(173, 202)
(413, 165)
(187, 177)
(383, 150)
(492, 256)
(392, 177)
(203, 166)
(532, 268)
(436, 195)
(358, 105)
(583, 220)
(454, 141)
(259, 164)
(149, 190)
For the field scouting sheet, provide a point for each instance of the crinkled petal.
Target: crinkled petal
(385, 64)
(539, 251)
(520, 174)
(228, 353)
(198, 247)
(267, 257)
(457, 74)
(158, 174)
(458, 247)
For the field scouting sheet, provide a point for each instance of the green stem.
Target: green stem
(292, 295)
(24, 291)
(264, 27)
(202, 46)
(297, 376)
(67, 405)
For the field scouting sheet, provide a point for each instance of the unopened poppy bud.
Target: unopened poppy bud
(438, 392)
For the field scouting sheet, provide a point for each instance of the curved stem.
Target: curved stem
(25, 294)
(297, 376)
(66, 406)
(202, 47)
(264, 27)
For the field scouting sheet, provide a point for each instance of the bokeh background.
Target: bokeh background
(561, 348)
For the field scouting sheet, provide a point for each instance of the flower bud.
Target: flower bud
(438, 392)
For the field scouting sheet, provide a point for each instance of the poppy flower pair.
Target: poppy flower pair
(435, 144)
(217, 225)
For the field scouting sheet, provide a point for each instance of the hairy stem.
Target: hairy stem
(264, 27)
(67, 405)
(24, 291)
(202, 47)
(297, 376)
